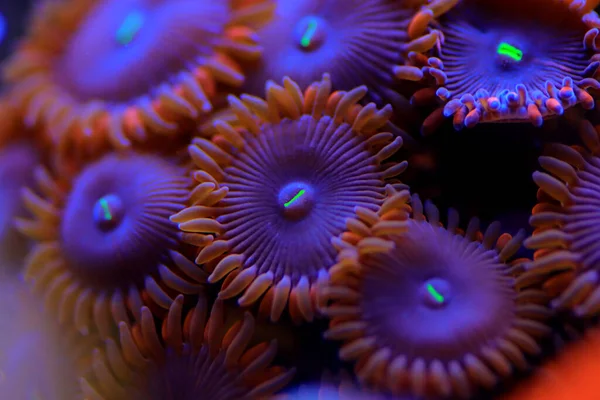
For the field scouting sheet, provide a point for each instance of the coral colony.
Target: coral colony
(234, 199)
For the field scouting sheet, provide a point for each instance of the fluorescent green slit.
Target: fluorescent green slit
(505, 49)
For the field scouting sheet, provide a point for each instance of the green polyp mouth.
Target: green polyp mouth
(296, 200)
(129, 28)
(311, 29)
(311, 33)
(108, 212)
(435, 294)
(107, 215)
(507, 50)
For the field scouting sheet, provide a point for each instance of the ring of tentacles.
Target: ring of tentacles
(567, 257)
(153, 69)
(281, 185)
(426, 309)
(104, 242)
(494, 61)
(190, 359)
(355, 41)
(17, 160)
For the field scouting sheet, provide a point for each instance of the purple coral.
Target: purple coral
(119, 71)
(274, 190)
(189, 360)
(566, 221)
(356, 41)
(105, 244)
(495, 61)
(426, 309)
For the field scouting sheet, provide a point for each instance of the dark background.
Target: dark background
(14, 13)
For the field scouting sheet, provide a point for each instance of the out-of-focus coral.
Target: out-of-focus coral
(427, 309)
(38, 359)
(104, 242)
(190, 359)
(573, 375)
(495, 61)
(117, 71)
(274, 190)
(356, 41)
(17, 160)
(19, 154)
